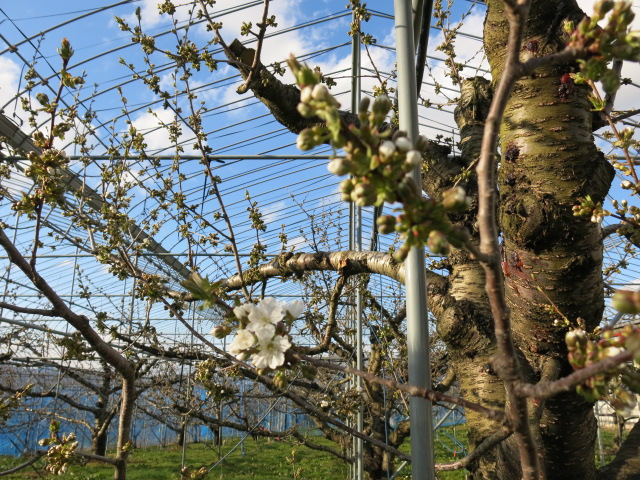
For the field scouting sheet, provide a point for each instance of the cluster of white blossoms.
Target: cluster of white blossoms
(262, 335)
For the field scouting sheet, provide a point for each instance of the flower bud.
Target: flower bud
(387, 149)
(305, 110)
(280, 381)
(455, 200)
(364, 105)
(403, 144)
(421, 143)
(42, 98)
(401, 254)
(381, 105)
(437, 242)
(571, 339)
(601, 7)
(386, 224)
(413, 159)
(321, 93)
(611, 352)
(305, 94)
(623, 301)
(243, 356)
(340, 166)
(364, 194)
(220, 332)
(346, 186)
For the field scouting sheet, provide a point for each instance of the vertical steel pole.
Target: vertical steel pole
(357, 240)
(422, 460)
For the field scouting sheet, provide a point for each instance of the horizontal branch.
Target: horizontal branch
(347, 262)
(98, 458)
(32, 311)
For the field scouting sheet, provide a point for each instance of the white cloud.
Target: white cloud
(153, 126)
(273, 213)
(297, 243)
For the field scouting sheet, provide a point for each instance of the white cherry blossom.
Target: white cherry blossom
(271, 353)
(243, 340)
(264, 316)
(294, 308)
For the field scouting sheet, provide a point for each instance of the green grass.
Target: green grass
(263, 460)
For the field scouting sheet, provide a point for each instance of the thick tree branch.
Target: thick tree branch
(348, 262)
(282, 100)
(626, 464)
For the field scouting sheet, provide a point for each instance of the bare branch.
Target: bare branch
(32, 311)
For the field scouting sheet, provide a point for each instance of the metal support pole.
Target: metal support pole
(357, 240)
(422, 460)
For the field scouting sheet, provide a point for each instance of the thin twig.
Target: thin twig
(544, 390)
(255, 66)
(612, 125)
(331, 322)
